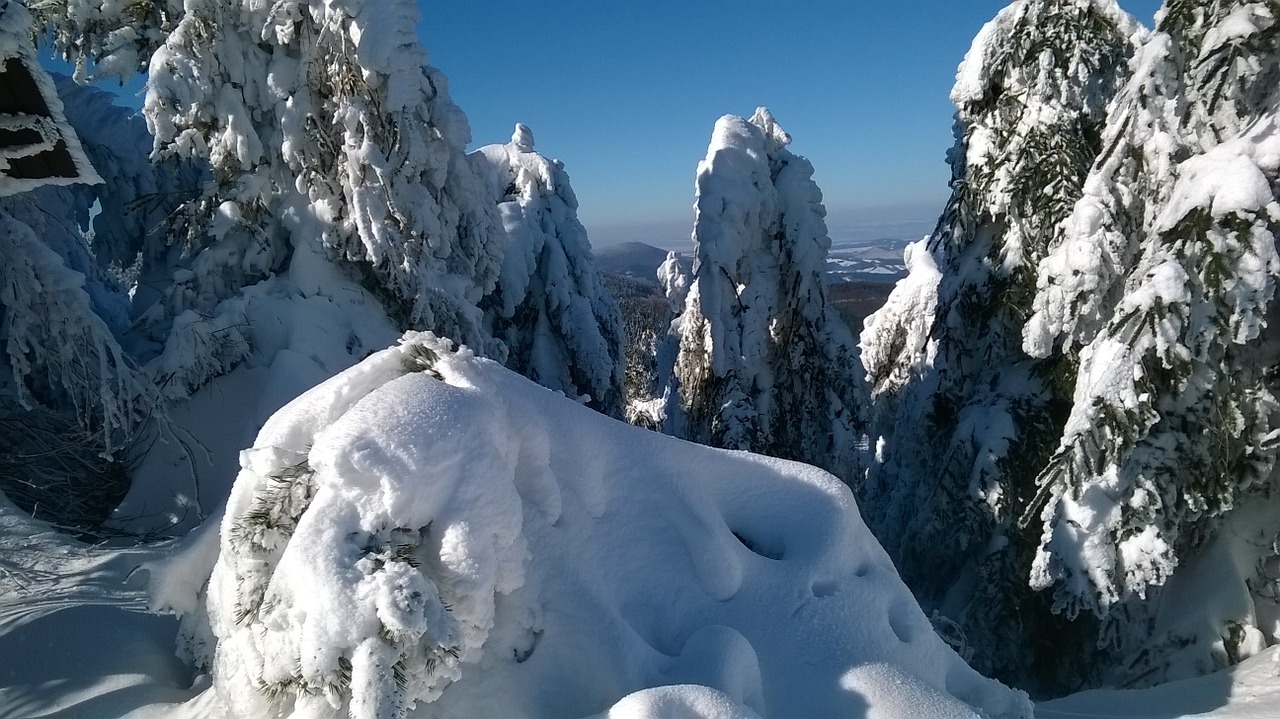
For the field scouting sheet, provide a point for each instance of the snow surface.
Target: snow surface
(573, 563)
(1248, 691)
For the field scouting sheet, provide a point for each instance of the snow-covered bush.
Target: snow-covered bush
(764, 363)
(430, 527)
(561, 327)
(964, 419)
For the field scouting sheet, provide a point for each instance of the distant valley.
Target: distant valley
(860, 273)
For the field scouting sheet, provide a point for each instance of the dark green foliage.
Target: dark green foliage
(968, 433)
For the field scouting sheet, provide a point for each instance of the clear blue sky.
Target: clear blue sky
(626, 93)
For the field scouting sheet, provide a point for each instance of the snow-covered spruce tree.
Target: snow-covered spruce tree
(659, 409)
(329, 138)
(764, 363)
(965, 419)
(561, 327)
(1160, 291)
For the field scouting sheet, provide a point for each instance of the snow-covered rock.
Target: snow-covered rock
(431, 527)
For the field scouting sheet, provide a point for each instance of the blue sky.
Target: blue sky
(626, 94)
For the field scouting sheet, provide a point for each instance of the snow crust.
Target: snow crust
(557, 562)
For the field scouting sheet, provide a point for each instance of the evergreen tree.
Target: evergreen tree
(1160, 291)
(561, 327)
(107, 39)
(964, 418)
(659, 409)
(329, 139)
(764, 363)
(72, 400)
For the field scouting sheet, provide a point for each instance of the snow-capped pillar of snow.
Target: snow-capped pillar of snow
(522, 138)
(561, 327)
(764, 362)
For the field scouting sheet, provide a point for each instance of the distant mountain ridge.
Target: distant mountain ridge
(861, 260)
(635, 259)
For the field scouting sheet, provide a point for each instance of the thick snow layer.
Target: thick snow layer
(557, 562)
(1247, 691)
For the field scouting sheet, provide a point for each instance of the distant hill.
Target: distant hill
(635, 259)
(861, 274)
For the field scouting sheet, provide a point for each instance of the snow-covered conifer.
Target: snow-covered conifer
(1160, 291)
(561, 327)
(658, 407)
(764, 364)
(328, 137)
(57, 310)
(107, 39)
(965, 419)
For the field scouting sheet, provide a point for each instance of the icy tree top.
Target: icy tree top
(989, 55)
(522, 138)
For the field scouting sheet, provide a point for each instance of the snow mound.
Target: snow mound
(431, 527)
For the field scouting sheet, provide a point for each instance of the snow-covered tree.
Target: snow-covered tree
(329, 138)
(72, 400)
(106, 39)
(1160, 291)
(561, 327)
(657, 405)
(764, 363)
(964, 419)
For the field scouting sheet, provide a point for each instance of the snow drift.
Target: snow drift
(431, 527)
